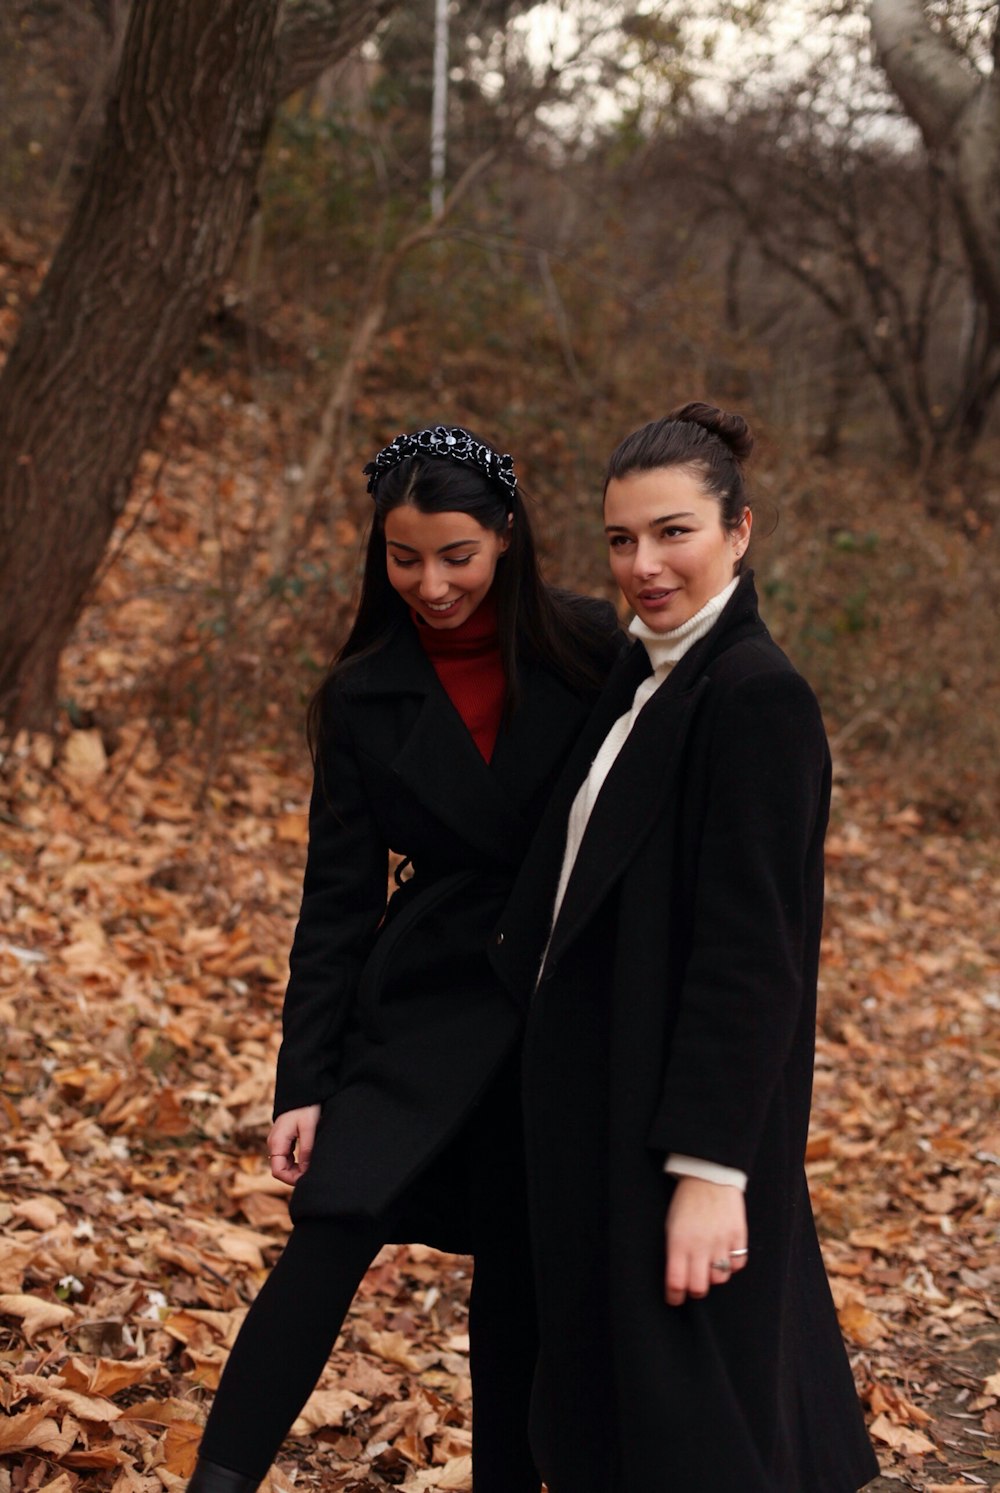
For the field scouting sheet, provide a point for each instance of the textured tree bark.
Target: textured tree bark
(312, 36)
(154, 231)
(315, 34)
(957, 110)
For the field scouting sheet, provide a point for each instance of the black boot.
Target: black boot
(209, 1477)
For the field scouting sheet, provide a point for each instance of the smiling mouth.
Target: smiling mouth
(654, 596)
(442, 606)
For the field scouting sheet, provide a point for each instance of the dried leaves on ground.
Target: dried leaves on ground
(149, 879)
(141, 971)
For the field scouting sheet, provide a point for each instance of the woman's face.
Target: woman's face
(669, 551)
(442, 564)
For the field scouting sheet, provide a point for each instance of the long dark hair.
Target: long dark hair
(535, 622)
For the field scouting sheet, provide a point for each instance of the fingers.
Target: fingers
(706, 1238)
(694, 1274)
(687, 1275)
(281, 1150)
(285, 1169)
(308, 1122)
(739, 1258)
(290, 1143)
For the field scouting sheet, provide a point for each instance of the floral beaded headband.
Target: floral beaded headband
(451, 442)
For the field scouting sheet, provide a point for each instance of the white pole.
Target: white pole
(439, 107)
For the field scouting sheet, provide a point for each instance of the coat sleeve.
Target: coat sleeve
(749, 980)
(343, 900)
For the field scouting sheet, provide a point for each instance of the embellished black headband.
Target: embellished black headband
(451, 442)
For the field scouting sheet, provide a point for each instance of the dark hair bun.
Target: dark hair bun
(732, 430)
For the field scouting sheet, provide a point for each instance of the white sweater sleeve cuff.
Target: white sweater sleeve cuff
(707, 1171)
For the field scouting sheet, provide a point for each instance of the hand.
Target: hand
(290, 1143)
(705, 1222)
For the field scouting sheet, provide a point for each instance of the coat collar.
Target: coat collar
(400, 667)
(632, 799)
(484, 803)
(738, 620)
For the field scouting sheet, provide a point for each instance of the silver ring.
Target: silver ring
(722, 1265)
(738, 1254)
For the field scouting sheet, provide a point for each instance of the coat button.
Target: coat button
(498, 940)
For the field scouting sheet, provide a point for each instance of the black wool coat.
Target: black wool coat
(676, 1013)
(393, 1019)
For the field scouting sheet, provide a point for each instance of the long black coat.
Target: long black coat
(393, 1019)
(676, 1013)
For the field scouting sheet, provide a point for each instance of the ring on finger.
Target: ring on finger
(738, 1254)
(722, 1265)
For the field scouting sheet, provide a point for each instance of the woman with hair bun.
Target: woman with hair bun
(438, 735)
(668, 919)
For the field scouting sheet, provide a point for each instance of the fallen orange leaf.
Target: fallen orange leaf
(910, 1443)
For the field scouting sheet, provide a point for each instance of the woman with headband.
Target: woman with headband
(438, 735)
(668, 918)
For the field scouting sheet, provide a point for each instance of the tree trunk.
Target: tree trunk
(312, 36)
(154, 231)
(957, 110)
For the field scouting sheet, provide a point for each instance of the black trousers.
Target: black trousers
(293, 1324)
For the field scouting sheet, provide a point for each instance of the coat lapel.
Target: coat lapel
(429, 748)
(642, 775)
(528, 915)
(540, 736)
(628, 805)
(442, 766)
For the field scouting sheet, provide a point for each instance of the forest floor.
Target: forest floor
(141, 973)
(150, 866)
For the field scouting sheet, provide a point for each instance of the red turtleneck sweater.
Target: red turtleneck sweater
(467, 661)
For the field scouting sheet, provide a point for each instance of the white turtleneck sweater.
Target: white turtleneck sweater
(665, 649)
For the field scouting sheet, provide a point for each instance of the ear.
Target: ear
(741, 534)
(506, 538)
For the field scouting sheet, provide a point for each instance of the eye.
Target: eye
(458, 559)
(673, 531)
(402, 564)
(619, 541)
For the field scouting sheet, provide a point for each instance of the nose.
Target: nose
(647, 562)
(433, 583)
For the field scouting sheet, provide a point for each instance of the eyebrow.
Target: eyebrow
(667, 518)
(454, 545)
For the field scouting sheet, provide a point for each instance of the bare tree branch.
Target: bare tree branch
(317, 33)
(308, 499)
(932, 82)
